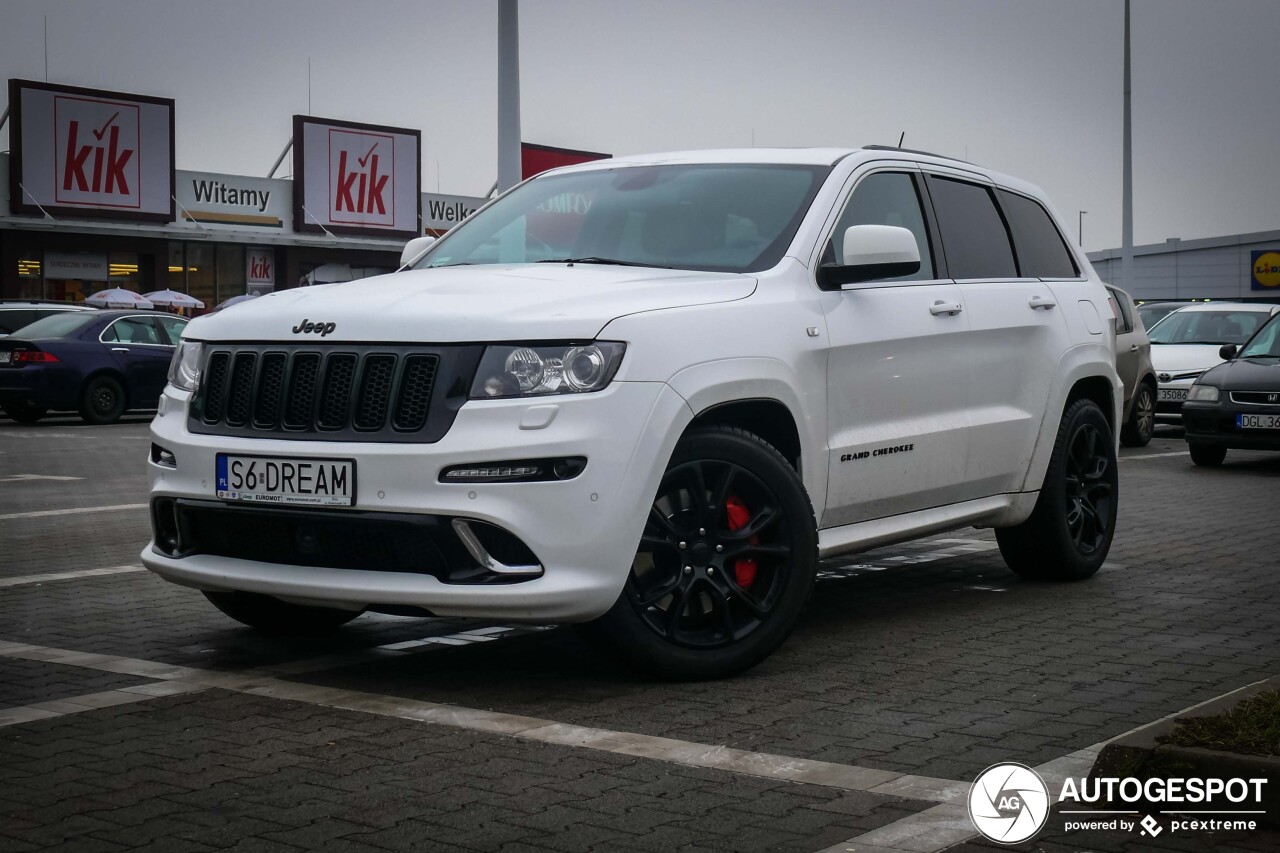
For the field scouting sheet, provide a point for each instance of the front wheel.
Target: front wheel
(24, 413)
(102, 401)
(1142, 420)
(725, 565)
(1069, 532)
(273, 616)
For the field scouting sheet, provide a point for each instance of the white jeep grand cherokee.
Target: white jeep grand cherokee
(648, 394)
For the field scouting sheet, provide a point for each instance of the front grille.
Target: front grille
(332, 539)
(1256, 398)
(357, 392)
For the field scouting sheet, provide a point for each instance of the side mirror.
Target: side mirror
(1228, 351)
(414, 249)
(872, 252)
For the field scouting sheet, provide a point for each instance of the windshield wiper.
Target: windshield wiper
(596, 259)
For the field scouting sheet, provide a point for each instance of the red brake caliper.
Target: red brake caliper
(744, 568)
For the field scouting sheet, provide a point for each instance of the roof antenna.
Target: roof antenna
(902, 137)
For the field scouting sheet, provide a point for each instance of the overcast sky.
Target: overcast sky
(1029, 87)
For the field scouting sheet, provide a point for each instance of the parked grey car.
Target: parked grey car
(1133, 363)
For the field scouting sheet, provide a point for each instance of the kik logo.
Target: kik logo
(96, 153)
(362, 177)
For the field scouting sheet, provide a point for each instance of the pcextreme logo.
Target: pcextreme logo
(1266, 269)
(1009, 803)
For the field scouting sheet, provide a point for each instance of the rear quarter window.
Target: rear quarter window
(1042, 253)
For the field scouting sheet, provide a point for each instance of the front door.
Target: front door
(141, 350)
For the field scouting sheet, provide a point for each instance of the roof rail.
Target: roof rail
(913, 151)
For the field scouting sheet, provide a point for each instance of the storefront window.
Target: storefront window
(201, 277)
(231, 272)
(177, 278)
(124, 271)
(30, 276)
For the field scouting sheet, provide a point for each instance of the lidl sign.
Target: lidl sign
(1265, 270)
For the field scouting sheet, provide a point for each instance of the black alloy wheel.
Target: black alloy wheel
(1089, 492)
(102, 401)
(1142, 420)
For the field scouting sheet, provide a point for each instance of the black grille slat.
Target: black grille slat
(414, 398)
(375, 391)
(266, 410)
(301, 401)
(215, 387)
(335, 399)
(352, 392)
(241, 394)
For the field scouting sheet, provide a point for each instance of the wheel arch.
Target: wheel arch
(765, 417)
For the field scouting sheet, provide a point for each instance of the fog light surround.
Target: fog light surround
(516, 471)
(163, 457)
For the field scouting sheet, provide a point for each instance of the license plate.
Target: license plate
(4, 357)
(1172, 394)
(286, 480)
(1258, 421)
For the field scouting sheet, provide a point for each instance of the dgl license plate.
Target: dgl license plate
(1258, 421)
(285, 480)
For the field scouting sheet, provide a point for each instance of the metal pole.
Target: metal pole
(280, 159)
(1126, 227)
(4, 118)
(508, 94)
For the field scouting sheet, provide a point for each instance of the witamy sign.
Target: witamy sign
(355, 178)
(90, 153)
(232, 200)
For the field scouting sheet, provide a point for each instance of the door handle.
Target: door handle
(1134, 348)
(1038, 302)
(951, 309)
(119, 349)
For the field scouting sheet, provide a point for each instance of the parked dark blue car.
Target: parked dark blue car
(99, 363)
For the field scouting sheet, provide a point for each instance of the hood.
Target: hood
(470, 304)
(1184, 358)
(1246, 374)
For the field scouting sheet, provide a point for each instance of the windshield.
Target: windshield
(721, 217)
(1207, 327)
(57, 325)
(1265, 344)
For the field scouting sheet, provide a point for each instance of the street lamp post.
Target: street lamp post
(1080, 229)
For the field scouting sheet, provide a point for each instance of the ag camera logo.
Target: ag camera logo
(1009, 803)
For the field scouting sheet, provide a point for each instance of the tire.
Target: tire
(1070, 530)
(102, 401)
(273, 616)
(24, 413)
(689, 611)
(1207, 455)
(1141, 425)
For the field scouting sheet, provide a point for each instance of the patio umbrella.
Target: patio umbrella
(236, 300)
(118, 298)
(174, 299)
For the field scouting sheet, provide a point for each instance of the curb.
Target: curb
(1140, 754)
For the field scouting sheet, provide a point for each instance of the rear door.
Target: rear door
(1129, 342)
(897, 380)
(996, 252)
(140, 347)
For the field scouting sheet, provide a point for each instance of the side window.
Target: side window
(1120, 308)
(886, 198)
(173, 327)
(1041, 250)
(973, 234)
(133, 330)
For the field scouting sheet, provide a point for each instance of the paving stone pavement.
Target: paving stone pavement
(937, 668)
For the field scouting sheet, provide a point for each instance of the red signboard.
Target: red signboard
(535, 159)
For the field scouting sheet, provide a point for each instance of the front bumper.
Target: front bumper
(1214, 424)
(584, 531)
(1170, 411)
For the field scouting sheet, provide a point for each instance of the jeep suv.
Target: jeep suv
(647, 395)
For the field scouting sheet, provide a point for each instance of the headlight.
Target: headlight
(1204, 393)
(514, 370)
(184, 369)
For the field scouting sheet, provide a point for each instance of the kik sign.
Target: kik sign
(89, 153)
(355, 178)
(259, 266)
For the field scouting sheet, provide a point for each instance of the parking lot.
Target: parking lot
(135, 716)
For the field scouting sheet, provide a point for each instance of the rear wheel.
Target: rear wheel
(24, 413)
(1141, 426)
(273, 616)
(1069, 533)
(1207, 454)
(725, 565)
(102, 401)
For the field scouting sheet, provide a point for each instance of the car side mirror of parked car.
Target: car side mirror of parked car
(872, 252)
(415, 249)
(1228, 351)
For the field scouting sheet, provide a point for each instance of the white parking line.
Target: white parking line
(22, 478)
(47, 577)
(44, 513)
(93, 701)
(1155, 455)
